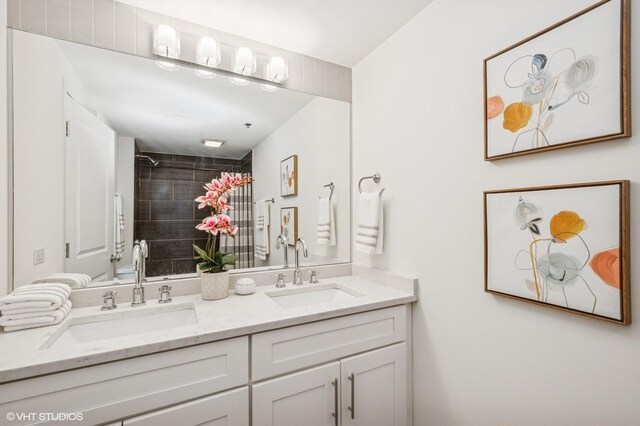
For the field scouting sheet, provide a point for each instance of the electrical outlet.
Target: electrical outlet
(38, 256)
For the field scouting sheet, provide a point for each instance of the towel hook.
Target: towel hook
(331, 186)
(376, 177)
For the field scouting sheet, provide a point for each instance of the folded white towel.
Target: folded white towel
(15, 322)
(74, 280)
(326, 231)
(370, 230)
(261, 231)
(35, 298)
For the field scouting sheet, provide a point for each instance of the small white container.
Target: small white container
(245, 286)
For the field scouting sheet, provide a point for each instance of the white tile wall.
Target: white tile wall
(116, 26)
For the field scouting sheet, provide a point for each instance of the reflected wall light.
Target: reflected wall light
(166, 42)
(208, 55)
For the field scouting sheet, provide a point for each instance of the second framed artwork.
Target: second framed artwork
(565, 247)
(289, 176)
(289, 224)
(564, 86)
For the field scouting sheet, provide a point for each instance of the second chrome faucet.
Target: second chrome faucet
(297, 276)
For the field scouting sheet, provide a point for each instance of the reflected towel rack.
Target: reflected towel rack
(376, 177)
(272, 200)
(331, 186)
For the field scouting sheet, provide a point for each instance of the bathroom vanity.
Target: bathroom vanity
(333, 353)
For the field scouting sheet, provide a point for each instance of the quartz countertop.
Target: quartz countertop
(22, 354)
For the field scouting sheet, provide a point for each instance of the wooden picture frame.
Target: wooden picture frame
(289, 176)
(583, 253)
(545, 110)
(289, 224)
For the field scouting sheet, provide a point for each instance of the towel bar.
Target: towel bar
(375, 177)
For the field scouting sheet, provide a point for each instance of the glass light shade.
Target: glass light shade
(245, 61)
(166, 41)
(208, 52)
(277, 69)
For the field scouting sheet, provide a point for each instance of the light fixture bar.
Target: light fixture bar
(218, 71)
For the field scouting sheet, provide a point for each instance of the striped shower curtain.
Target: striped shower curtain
(242, 215)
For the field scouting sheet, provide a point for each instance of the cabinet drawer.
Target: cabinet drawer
(294, 348)
(228, 408)
(124, 388)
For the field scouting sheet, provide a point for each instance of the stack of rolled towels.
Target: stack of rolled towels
(35, 305)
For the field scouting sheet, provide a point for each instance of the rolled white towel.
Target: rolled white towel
(15, 322)
(74, 280)
(35, 298)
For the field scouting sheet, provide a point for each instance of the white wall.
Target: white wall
(125, 181)
(41, 77)
(4, 157)
(319, 135)
(418, 119)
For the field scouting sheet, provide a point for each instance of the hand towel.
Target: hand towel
(326, 231)
(263, 220)
(73, 280)
(35, 298)
(15, 322)
(118, 226)
(370, 230)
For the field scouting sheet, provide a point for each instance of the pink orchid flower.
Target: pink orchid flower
(209, 224)
(209, 199)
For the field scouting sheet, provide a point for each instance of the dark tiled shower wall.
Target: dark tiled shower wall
(166, 214)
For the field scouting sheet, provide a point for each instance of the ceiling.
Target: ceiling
(172, 112)
(338, 31)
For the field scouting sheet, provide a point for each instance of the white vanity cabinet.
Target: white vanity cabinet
(368, 388)
(228, 409)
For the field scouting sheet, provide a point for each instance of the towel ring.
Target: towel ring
(331, 186)
(376, 178)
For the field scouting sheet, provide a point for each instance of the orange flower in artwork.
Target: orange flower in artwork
(516, 116)
(495, 106)
(566, 224)
(606, 265)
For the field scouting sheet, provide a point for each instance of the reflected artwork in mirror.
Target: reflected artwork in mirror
(111, 149)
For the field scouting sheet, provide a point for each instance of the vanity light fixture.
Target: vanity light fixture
(208, 55)
(244, 63)
(277, 69)
(212, 143)
(166, 42)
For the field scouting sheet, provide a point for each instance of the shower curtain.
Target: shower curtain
(242, 215)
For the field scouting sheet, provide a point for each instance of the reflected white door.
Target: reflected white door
(90, 183)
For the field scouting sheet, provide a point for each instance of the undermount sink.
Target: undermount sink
(122, 324)
(311, 294)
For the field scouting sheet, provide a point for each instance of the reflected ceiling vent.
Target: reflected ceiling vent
(213, 143)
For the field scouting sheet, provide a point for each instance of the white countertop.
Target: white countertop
(21, 355)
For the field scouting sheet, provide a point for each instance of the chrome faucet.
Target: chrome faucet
(297, 276)
(140, 253)
(282, 241)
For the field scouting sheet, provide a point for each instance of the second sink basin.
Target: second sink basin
(121, 324)
(311, 294)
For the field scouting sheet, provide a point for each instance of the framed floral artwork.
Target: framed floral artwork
(289, 176)
(289, 224)
(565, 247)
(567, 85)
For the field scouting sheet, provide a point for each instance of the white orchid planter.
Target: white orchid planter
(214, 285)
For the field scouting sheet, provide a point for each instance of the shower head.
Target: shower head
(151, 160)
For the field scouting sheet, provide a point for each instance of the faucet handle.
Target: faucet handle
(313, 277)
(165, 294)
(109, 301)
(280, 280)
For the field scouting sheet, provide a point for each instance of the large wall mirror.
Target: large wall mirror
(108, 149)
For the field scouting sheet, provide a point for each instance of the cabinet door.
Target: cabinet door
(224, 409)
(374, 388)
(308, 398)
